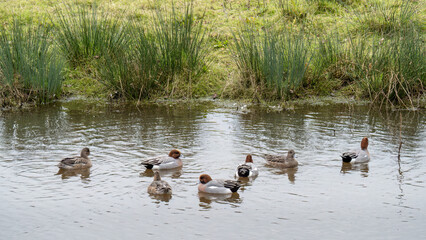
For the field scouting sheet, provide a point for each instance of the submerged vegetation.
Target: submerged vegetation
(259, 50)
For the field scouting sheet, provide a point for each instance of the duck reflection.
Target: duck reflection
(172, 173)
(67, 173)
(361, 167)
(207, 198)
(245, 182)
(290, 172)
(161, 197)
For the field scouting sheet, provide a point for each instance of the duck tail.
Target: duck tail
(232, 185)
(166, 190)
(147, 165)
(347, 157)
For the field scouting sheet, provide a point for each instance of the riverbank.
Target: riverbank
(238, 105)
(255, 51)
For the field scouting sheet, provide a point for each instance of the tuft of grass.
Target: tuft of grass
(390, 69)
(133, 74)
(167, 60)
(330, 52)
(30, 68)
(181, 44)
(85, 33)
(272, 63)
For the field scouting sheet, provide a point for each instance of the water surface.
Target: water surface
(384, 199)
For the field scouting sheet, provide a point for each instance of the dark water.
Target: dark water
(384, 199)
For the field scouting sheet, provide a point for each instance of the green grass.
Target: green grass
(132, 75)
(180, 41)
(85, 33)
(164, 61)
(30, 68)
(385, 17)
(197, 56)
(391, 69)
(273, 63)
(384, 66)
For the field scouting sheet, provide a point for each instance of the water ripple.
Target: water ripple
(320, 193)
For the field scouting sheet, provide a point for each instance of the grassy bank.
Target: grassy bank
(258, 50)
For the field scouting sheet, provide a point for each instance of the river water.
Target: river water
(321, 199)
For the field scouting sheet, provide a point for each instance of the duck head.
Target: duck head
(174, 153)
(364, 143)
(157, 176)
(204, 178)
(85, 153)
(291, 154)
(249, 158)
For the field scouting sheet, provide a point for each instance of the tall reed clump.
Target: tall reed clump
(85, 33)
(390, 69)
(181, 48)
(166, 60)
(135, 74)
(273, 64)
(329, 64)
(388, 60)
(30, 68)
(328, 55)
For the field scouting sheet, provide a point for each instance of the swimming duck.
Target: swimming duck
(77, 162)
(282, 161)
(164, 162)
(247, 169)
(360, 155)
(219, 186)
(159, 186)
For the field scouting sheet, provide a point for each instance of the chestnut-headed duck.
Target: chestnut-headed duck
(207, 185)
(360, 155)
(247, 169)
(282, 161)
(159, 186)
(164, 162)
(74, 163)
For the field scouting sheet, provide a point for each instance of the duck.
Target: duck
(359, 156)
(219, 186)
(75, 163)
(164, 162)
(247, 169)
(159, 186)
(282, 161)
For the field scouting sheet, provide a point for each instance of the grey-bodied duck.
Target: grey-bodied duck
(74, 163)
